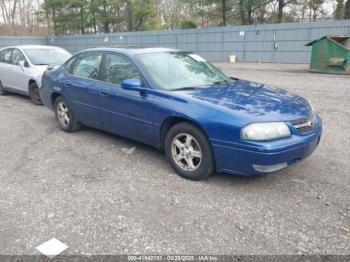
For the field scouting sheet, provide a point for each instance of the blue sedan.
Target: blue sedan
(178, 102)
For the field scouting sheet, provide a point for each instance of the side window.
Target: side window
(17, 56)
(5, 56)
(2, 55)
(119, 68)
(87, 66)
(69, 64)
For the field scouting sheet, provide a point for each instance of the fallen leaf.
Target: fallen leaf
(128, 150)
(347, 230)
(298, 181)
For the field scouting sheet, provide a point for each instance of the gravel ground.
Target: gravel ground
(84, 190)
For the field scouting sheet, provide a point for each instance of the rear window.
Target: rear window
(5, 56)
(47, 56)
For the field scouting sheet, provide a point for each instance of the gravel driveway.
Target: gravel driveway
(90, 191)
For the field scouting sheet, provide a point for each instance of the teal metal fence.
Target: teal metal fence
(276, 43)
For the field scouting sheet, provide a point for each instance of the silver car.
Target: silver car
(21, 68)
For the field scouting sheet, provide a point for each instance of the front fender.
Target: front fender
(214, 123)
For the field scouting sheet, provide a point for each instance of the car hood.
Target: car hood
(253, 101)
(41, 68)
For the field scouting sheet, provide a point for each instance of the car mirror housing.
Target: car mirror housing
(133, 84)
(23, 64)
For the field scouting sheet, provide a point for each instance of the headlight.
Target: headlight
(265, 131)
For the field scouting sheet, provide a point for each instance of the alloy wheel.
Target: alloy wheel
(186, 152)
(63, 114)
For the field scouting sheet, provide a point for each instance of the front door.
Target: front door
(18, 78)
(124, 112)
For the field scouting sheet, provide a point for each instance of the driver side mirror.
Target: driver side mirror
(132, 84)
(23, 64)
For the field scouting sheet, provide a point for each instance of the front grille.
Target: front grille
(302, 125)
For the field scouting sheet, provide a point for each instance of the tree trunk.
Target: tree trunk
(339, 11)
(93, 15)
(347, 10)
(224, 12)
(13, 16)
(48, 19)
(310, 11)
(250, 15)
(280, 11)
(129, 18)
(94, 22)
(242, 12)
(54, 21)
(105, 22)
(314, 17)
(82, 21)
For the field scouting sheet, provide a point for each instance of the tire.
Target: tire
(3, 92)
(64, 116)
(185, 143)
(34, 94)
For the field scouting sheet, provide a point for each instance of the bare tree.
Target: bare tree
(224, 6)
(315, 8)
(8, 8)
(21, 17)
(170, 13)
(347, 10)
(339, 11)
(282, 4)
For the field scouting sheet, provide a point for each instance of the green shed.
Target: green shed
(330, 54)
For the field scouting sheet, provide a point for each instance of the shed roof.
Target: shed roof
(334, 38)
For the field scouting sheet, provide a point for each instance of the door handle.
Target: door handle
(93, 91)
(104, 92)
(67, 84)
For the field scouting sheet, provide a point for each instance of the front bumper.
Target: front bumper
(265, 157)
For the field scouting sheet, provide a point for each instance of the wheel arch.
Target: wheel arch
(54, 96)
(171, 121)
(31, 81)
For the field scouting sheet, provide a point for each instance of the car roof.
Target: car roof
(133, 51)
(32, 47)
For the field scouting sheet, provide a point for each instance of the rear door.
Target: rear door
(82, 87)
(5, 66)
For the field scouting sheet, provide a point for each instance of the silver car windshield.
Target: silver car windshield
(180, 70)
(47, 56)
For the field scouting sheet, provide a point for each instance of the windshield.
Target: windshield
(47, 56)
(179, 70)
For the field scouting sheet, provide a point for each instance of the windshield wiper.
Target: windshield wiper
(221, 82)
(184, 88)
(189, 88)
